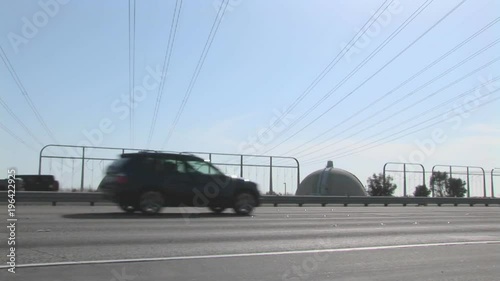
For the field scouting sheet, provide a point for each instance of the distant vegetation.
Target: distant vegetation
(422, 191)
(377, 186)
(444, 186)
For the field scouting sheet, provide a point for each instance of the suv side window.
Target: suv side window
(169, 166)
(202, 167)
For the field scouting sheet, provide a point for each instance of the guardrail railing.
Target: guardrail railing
(81, 155)
(95, 197)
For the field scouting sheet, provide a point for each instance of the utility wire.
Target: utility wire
(412, 132)
(20, 122)
(416, 117)
(371, 20)
(454, 49)
(355, 70)
(424, 98)
(199, 66)
(166, 63)
(131, 65)
(26, 96)
(444, 73)
(15, 136)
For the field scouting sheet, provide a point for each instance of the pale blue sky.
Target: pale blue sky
(264, 56)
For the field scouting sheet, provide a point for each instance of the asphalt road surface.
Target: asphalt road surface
(283, 243)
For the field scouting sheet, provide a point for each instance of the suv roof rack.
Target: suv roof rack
(147, 151)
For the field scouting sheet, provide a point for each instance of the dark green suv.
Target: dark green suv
(148, 181)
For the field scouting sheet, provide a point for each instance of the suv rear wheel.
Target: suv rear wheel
(244, 203)
(128, 208)
(216, 209)
(151, 202)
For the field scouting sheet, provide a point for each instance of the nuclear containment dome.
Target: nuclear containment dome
(331, 181)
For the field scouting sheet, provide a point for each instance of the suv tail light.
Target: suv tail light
(121, 178)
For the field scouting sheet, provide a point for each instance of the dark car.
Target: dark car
(39, 182)
(148, 181)
(17, 185)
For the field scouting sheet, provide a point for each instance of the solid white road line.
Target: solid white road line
(257, 254)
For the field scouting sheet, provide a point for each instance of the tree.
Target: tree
(421, 191)
(378, 187)
(456, 188)
(438, 183)
(449, 187)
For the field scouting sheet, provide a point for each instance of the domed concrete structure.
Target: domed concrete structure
(331, 181)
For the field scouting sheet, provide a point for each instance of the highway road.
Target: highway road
(282, 243)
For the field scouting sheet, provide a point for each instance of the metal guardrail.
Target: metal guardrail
(95, 197)
(241, 163)
(405, 165)
(450, 167)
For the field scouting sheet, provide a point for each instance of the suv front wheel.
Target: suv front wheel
(151, 202)
(244, 203)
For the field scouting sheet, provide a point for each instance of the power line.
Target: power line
(378, 71)
(131, 64)
(412, 132)
(416, 117)
(454, 49)
(166, 63)
(423, 99)
(13, 115)
(199, 66)
(355, 70)
(417, 90)
(15, 136)
(371, 20)
(25, 94)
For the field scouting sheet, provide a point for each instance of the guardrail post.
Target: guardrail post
(40, 159)
(271, 175)
(383, 174)
(241, 166)
(484, 182)
(431, 186)
(404, 180)
(210, 160)
(423, 175)
(40, 163)
(492, 180)
(83, 169)
(298, 172)
(468, 185)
